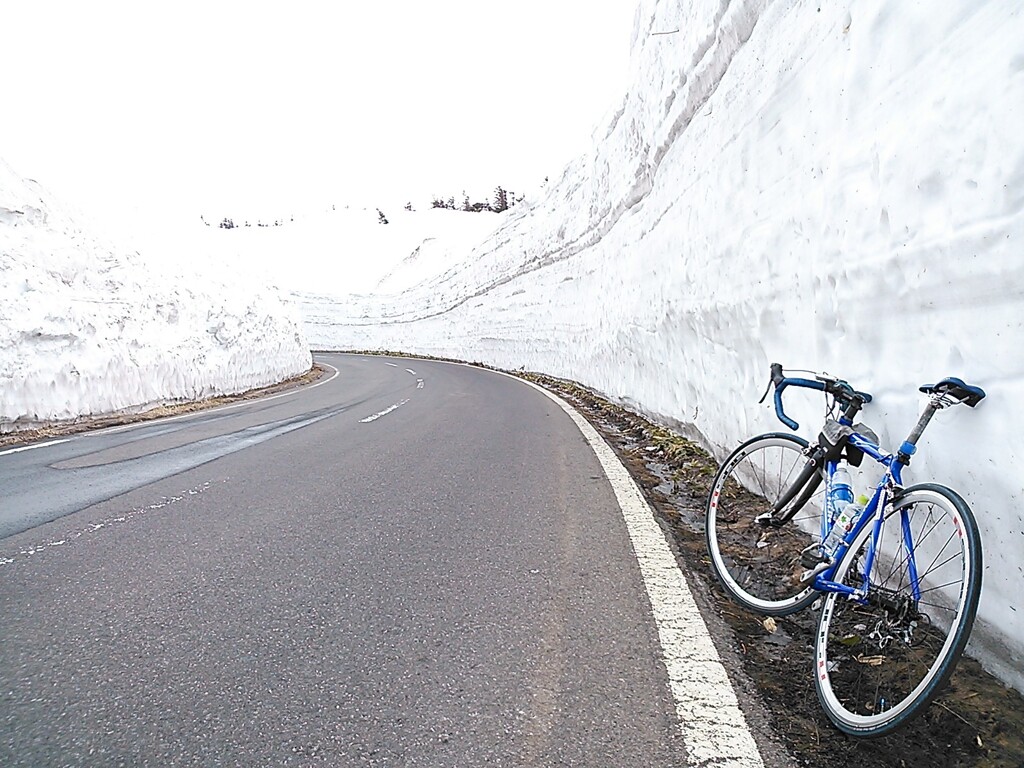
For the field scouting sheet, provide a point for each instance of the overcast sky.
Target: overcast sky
(240, 106)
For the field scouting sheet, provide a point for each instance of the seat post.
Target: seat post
(909, 446)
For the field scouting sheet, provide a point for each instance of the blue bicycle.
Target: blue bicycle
(898, 574)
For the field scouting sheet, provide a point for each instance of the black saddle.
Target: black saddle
(956, 388)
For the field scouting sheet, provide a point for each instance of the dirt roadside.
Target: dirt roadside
(977, 722)
(88, 423)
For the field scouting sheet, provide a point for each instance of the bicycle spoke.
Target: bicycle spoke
(932, 567)
(924, 536)
(886, 658)
(898, 566)
(955, 582)
(759, 563)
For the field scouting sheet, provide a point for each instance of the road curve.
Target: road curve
(411, 564)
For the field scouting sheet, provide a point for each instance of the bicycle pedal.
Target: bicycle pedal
(809, 575)
(810, 558)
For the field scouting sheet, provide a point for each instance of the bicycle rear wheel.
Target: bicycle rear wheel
(759, 565)
(878, 664)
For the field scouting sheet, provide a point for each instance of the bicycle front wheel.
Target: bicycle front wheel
(759, 565)
(880, 661)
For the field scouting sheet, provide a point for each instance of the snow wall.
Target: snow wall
(833, 186)
(90, 329)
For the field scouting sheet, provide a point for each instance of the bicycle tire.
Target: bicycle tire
(760, 566)
(872, 682)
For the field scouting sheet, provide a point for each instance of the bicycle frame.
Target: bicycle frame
(949, 391)
(897, 583)
(874, 513)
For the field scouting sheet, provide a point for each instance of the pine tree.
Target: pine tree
(500, 200)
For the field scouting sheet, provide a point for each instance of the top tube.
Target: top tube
(859, 441)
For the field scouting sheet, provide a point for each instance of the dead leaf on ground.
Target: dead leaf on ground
(871, 661)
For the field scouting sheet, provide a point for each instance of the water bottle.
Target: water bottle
(844, 523)
(841, 491)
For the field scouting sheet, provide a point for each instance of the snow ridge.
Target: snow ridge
(87, 328)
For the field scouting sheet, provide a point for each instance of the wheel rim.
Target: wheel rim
(761, 566)
(877, 664)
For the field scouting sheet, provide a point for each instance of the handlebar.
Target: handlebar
(849, 399)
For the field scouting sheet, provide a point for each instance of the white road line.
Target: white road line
(385, 412)
(396, 406)
(36, 445)
(712, 724)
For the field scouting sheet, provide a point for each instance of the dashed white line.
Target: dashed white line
(712, 724)
(396, 406)
(385, 412)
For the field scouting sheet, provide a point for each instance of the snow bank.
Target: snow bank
(87, 328)
(834, 186)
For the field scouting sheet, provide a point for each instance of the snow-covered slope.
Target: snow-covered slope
(834, 186)
(89, 328)
(340, 250)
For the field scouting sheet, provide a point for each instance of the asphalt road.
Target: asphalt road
(326, 579)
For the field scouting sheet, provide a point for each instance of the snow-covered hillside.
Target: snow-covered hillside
(833, 186)
(90, 328)
(340, 249)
